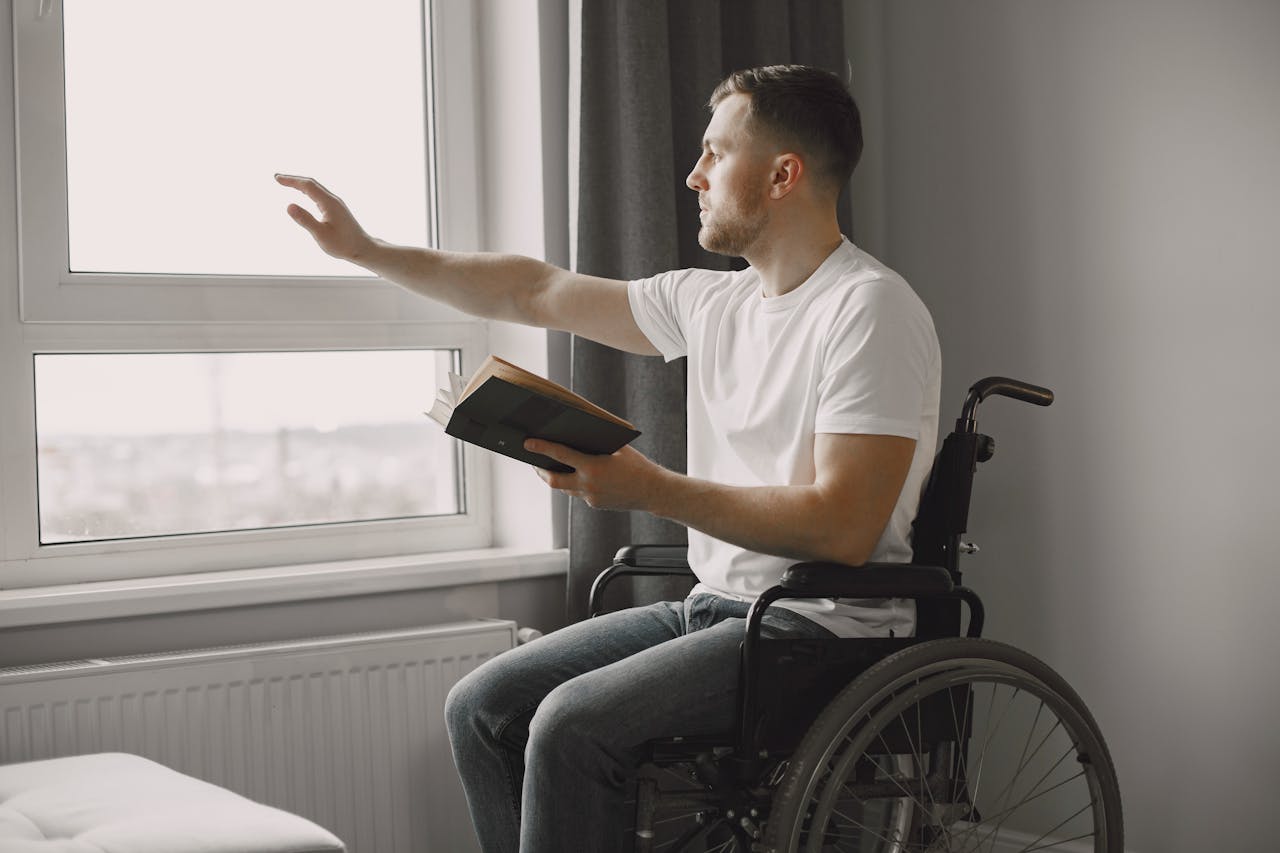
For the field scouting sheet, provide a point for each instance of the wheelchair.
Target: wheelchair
(941, 741)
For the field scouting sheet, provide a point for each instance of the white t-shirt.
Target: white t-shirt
(851, 350)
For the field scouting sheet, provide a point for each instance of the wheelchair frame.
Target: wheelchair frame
(731, 777)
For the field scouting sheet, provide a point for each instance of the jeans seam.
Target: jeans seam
(515, 790)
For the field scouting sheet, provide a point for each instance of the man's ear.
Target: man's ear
(787, 171)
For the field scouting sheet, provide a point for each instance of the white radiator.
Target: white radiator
(346, 731)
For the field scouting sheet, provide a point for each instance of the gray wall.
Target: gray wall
(1087, 195)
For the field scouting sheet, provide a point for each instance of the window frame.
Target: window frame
(52, 310)
(26, 562)
(51, 292)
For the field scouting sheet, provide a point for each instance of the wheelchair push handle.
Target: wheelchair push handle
(1024, 391)
(1003, 387)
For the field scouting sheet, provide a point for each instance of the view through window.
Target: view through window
(156, 444)
(178, 114)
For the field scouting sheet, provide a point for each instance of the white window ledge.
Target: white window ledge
(211, 590)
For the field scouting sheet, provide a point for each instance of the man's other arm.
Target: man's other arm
(839, 517)
(498, 287)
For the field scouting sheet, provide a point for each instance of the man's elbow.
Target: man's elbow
(857, 557)
(842, 536)
(851, 549)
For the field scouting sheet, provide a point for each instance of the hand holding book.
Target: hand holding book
(503, 405)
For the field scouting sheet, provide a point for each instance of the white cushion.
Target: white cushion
(118, 803)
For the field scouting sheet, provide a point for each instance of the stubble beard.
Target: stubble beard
(733, 231)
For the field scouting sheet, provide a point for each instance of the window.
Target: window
(198, 387)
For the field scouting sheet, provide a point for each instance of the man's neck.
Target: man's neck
(786, 261)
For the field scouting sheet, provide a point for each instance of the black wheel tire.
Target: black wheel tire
(850, 721)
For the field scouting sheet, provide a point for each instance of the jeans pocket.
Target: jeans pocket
(780, 623)
(706, 609)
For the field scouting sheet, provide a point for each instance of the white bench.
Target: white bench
(118, 803)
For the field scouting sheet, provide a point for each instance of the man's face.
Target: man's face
(732, 181)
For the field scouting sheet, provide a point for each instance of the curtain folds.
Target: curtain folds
(648, 67)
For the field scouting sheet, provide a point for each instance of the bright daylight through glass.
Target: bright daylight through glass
(154, 444)
(179, 114)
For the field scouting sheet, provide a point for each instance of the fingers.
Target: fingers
(555, 479)
(558, 452)
(567, 481)
(310, 187)
(335, 230)
(303, 217)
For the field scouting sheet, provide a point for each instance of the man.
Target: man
(812, 409)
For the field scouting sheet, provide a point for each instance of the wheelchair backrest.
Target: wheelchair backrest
(943, 513)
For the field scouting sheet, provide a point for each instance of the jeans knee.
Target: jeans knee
(465, 704)
(568, 717)
(572, 729)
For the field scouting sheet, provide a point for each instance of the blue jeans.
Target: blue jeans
(546, 736)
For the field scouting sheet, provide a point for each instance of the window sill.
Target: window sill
(212, 590)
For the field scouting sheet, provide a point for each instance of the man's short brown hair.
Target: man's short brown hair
(805, 107)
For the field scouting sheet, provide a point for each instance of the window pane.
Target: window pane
(180, 112)
(154, 444)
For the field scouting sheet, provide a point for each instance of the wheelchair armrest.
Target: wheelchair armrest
(654, 556)
(871, 580)
(639, 560)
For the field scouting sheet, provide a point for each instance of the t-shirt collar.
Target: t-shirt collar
(825, 273)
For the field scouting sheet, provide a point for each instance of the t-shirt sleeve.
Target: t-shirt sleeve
(662, 308)
(877, 364)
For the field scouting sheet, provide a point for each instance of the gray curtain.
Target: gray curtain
(648, 67)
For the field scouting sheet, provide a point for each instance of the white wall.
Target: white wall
(1087, 195)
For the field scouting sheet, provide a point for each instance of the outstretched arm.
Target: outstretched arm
(839, 517)
(499, 287)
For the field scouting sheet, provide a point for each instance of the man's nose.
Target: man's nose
(695, 180)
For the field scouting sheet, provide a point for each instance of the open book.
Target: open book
(503, 405)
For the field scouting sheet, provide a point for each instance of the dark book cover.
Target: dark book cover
(500, 415)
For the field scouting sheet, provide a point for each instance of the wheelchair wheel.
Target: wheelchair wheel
(951, 745)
